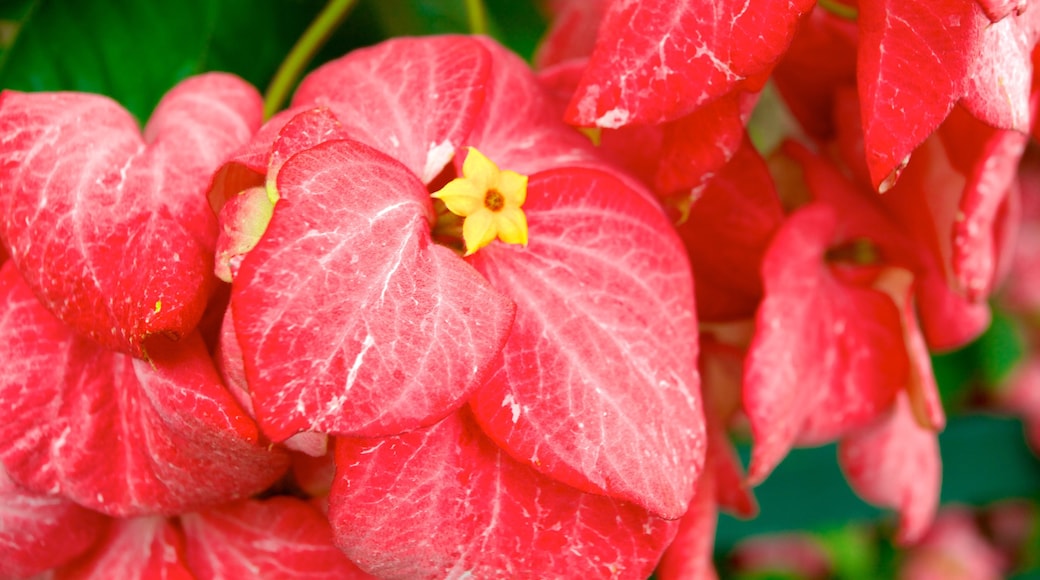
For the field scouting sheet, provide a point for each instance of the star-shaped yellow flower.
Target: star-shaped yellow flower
(489, 199)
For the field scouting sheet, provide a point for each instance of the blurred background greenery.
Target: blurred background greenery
(134, 51)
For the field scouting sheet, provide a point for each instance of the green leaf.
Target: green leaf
(517, 25)
(134, 51)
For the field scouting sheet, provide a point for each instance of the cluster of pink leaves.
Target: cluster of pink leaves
(522, 411)
(525, 411)
(827, 271)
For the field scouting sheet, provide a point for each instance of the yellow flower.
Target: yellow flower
(489, 199)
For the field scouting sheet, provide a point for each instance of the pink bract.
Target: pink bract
(346, 301)
(109, 227)
(117, 434)
(446, 500)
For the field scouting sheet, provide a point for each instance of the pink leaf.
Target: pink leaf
(955, 548)
(689, 556)
(282, 537)
(659, 60)
(697, 146)
(821, 58)
(917, 60)
(895, 464)
(913, 60)
(597, 386)
(414, 99)
(120, 435)
(572, 31)
(997, 87)
(519, 127)
(349, 318)
(38, 532)
(727, 232)
(826, 356)
(990, 168)
(111, 230)
(444, 501)
(145, 547)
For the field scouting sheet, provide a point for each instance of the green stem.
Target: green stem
(302, 52)
(838, 9)
(478, 20)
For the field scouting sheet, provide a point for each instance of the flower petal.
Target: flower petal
(511, 224)
(479, 230)
(462, 197)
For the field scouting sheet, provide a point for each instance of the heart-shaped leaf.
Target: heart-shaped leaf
(598, 386)
(120, 435)
(349, 318)
(443, 501)
(827, 356)
(659, 60)
(143, 547)
(39, 532)
(109, 228)
(414, 99)
(281, 537)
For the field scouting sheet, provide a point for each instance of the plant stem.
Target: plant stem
(838, 9)
(478, 21)
(302, 52)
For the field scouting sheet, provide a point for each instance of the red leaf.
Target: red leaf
(998, 84)
(146, 547)
(282, 537)
(350, 319)
(120, 435)
(826, 357)
(659, 60)
(415, 99)
(729, 227)
(573, 27)
(917, 60)
(444, 501)
(598, 387)
(913, 60)
(990, 166)
(895, 464)
(698, 145)
(38, 532)
(689, 556)
(110, 229)
(822, 57)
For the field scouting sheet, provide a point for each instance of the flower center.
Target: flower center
(494, 200)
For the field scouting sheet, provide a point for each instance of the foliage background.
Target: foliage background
(134, 51)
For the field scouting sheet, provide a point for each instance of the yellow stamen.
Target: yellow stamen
(489, 199)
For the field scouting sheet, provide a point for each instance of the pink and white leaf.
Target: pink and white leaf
(120, 435)
(350, 319)
(826, 356)
(375, 93)
(895, 464)
(281, 537)
(658, 60)
(597, 386)
(109, 227)
(39, 531)
(142, 547)
(446, 501)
